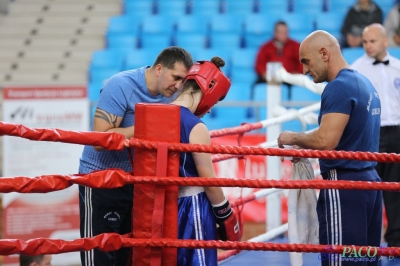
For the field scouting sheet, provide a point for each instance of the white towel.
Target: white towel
(302, 209)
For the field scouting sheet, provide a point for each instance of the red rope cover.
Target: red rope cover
(107, 140)
(118, 178)
(115, 141)
(236, 130)
(112, 241)
(249, 150)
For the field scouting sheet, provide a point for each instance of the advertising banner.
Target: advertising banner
(55, 214)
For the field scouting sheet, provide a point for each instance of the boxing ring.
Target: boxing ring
(153, 240)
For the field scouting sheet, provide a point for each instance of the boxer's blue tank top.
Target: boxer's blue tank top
(187, 166)
(195, 217)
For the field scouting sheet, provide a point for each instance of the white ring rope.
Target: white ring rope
(290, 115)
(261, 238)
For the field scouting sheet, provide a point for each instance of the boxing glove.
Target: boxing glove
(226, 218)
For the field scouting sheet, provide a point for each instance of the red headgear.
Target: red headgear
(214, 84)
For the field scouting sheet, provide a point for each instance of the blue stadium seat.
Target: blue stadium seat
(394, 51)
(255, 40)
(226, 23)
(351, 54)
(192, 24)
(122, 41)
(340, 6)
(299, 36)
(268, 6)
(260, 92)
(207, 54)
(239, 91)
(140, 58)
(102, 75)
(260, 23)
(156, 41)
(205, 7)
(212, 123)
(140, 9)
(102, 59)
(242, 68)
(303, 94)
(258, 29)
(173, 8)
(123, 25)
(330, 22)
(244, 58)
(308, 6)
(293, 125)
(243, 75)
(299, 22)
(238, 7)
(93, 90)
(260, 113)
(158, 24)
(385, 5)
(285, 93)
(234, 113)
(191, 40)
(229, 41)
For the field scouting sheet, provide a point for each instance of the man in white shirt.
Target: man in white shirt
(383, 71)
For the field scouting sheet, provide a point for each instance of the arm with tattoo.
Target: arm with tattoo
(109, 118)
(106, 122)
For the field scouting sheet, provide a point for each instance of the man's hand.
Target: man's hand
(287, 139)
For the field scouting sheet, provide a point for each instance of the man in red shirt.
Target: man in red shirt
(279, 49)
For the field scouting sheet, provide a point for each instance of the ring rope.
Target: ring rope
(108, 140)
(267, 236)
(115, 141)
(256, 195)
(265, 123)
(118, 178)
(301, 153)
(222, 157)
(111, 241)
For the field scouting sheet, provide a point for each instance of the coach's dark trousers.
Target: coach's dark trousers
(390, 172)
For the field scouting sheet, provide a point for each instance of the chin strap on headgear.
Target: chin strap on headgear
(214, 84)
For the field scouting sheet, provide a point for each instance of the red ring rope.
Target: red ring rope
(111, 241)
(118, 178)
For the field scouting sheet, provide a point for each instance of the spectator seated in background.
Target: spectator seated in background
(362, 14)
(38, 260)
(392, 25)
(279, 49)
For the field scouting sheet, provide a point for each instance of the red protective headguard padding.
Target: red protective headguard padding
(155, 208)
(214, 84)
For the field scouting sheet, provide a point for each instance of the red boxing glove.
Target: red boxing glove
(229, 228)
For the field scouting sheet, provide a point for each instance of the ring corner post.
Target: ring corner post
(156, 122)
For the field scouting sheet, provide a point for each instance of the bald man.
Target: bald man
(349, 120)
(38, 260)
(383, 70)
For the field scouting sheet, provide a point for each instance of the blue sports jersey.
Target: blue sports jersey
(119, 97)
(195, 217)
(353, 94)
(187, 166)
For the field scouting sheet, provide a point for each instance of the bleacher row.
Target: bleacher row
(231, 29)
